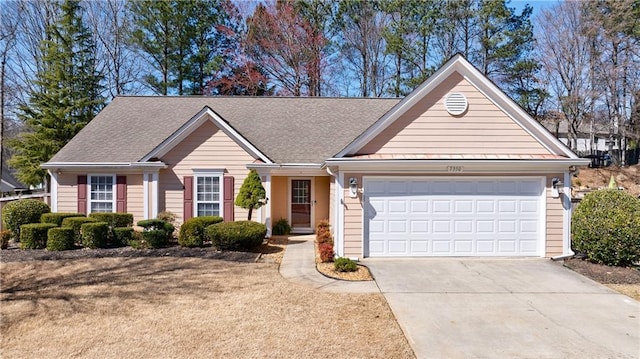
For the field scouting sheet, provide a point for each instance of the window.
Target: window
(208, 194)
(102, 193)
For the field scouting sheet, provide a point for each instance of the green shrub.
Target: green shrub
(5, 236)
(34, 235)
(281, 227)
(24, 211)
(326, 252)
(151, 224)
(122, 236)
(114, 219)
(94, 235)
(137, 242)
(241, 235)
(192, 232)
(60, 239)
(344, 265)
(155, 238)
(156, 233)
(57, 218)
(606, 227)
(76, 223)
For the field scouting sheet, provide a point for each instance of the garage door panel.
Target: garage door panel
(489, 217)
(419, 226)
(419, 247)
(441, 206)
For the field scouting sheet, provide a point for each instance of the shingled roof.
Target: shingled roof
(285, 129)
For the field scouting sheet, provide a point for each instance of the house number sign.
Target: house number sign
(455, 169)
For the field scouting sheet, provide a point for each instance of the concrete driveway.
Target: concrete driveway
(506, 308)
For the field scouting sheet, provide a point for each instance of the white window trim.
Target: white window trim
(114, 190)
(208, 173)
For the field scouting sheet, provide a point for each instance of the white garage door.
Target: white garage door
(453, 216)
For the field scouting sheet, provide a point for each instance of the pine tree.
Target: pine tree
(69, 98)
(252, 194)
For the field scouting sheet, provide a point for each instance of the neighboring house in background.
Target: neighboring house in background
(590, 138)
(9, 185)
(456, 168)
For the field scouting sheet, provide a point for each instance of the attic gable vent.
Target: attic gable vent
(456, 103)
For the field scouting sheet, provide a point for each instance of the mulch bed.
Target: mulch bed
(604, 274)
(15, 254)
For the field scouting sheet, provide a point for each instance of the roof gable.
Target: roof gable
(428, 129)
(206, 114)
(371, 140)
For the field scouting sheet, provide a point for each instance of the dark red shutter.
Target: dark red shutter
(228, 199)
(82, 194)
(188, 197)
(121, 193)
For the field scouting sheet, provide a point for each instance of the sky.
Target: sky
(537, 5)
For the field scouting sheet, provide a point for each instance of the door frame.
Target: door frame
(300, 230)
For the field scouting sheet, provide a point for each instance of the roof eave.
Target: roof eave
(94, 165)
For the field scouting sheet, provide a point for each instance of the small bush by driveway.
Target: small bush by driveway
(184, 308)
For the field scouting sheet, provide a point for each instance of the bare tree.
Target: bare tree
(611, 26)
(118, 62)
(362, 26)
(564, 52)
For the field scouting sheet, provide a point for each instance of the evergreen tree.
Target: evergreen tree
(252, 194)
(68, 95)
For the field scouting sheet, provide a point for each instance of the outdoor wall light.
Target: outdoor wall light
(557, 187)
(353, 187)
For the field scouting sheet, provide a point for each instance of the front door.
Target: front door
(301, 206)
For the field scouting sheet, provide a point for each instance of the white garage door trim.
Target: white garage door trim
(440, 184)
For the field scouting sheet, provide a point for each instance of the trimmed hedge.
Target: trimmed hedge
(24, 211)
(60, 239)
(57, 218)
(34, 235)
(94, 235)
(157, 232)
(122, 236)
(241, 235)
(155, 238)
(192, 232)
(114, 219)
(606, 227)
(76, 223)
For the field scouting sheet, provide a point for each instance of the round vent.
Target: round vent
(456, 103)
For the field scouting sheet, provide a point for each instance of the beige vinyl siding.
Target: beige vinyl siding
(135, 196)
(206, 148)
(68, 192)
(555, 221)
(279, 198)
(353, 217)
(353, 230)
(427, 128)
(321, 189)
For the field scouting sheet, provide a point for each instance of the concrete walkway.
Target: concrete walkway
(298, 266)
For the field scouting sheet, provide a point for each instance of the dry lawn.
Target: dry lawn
(184, 308)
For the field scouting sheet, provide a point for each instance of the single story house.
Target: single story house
(456, 168)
